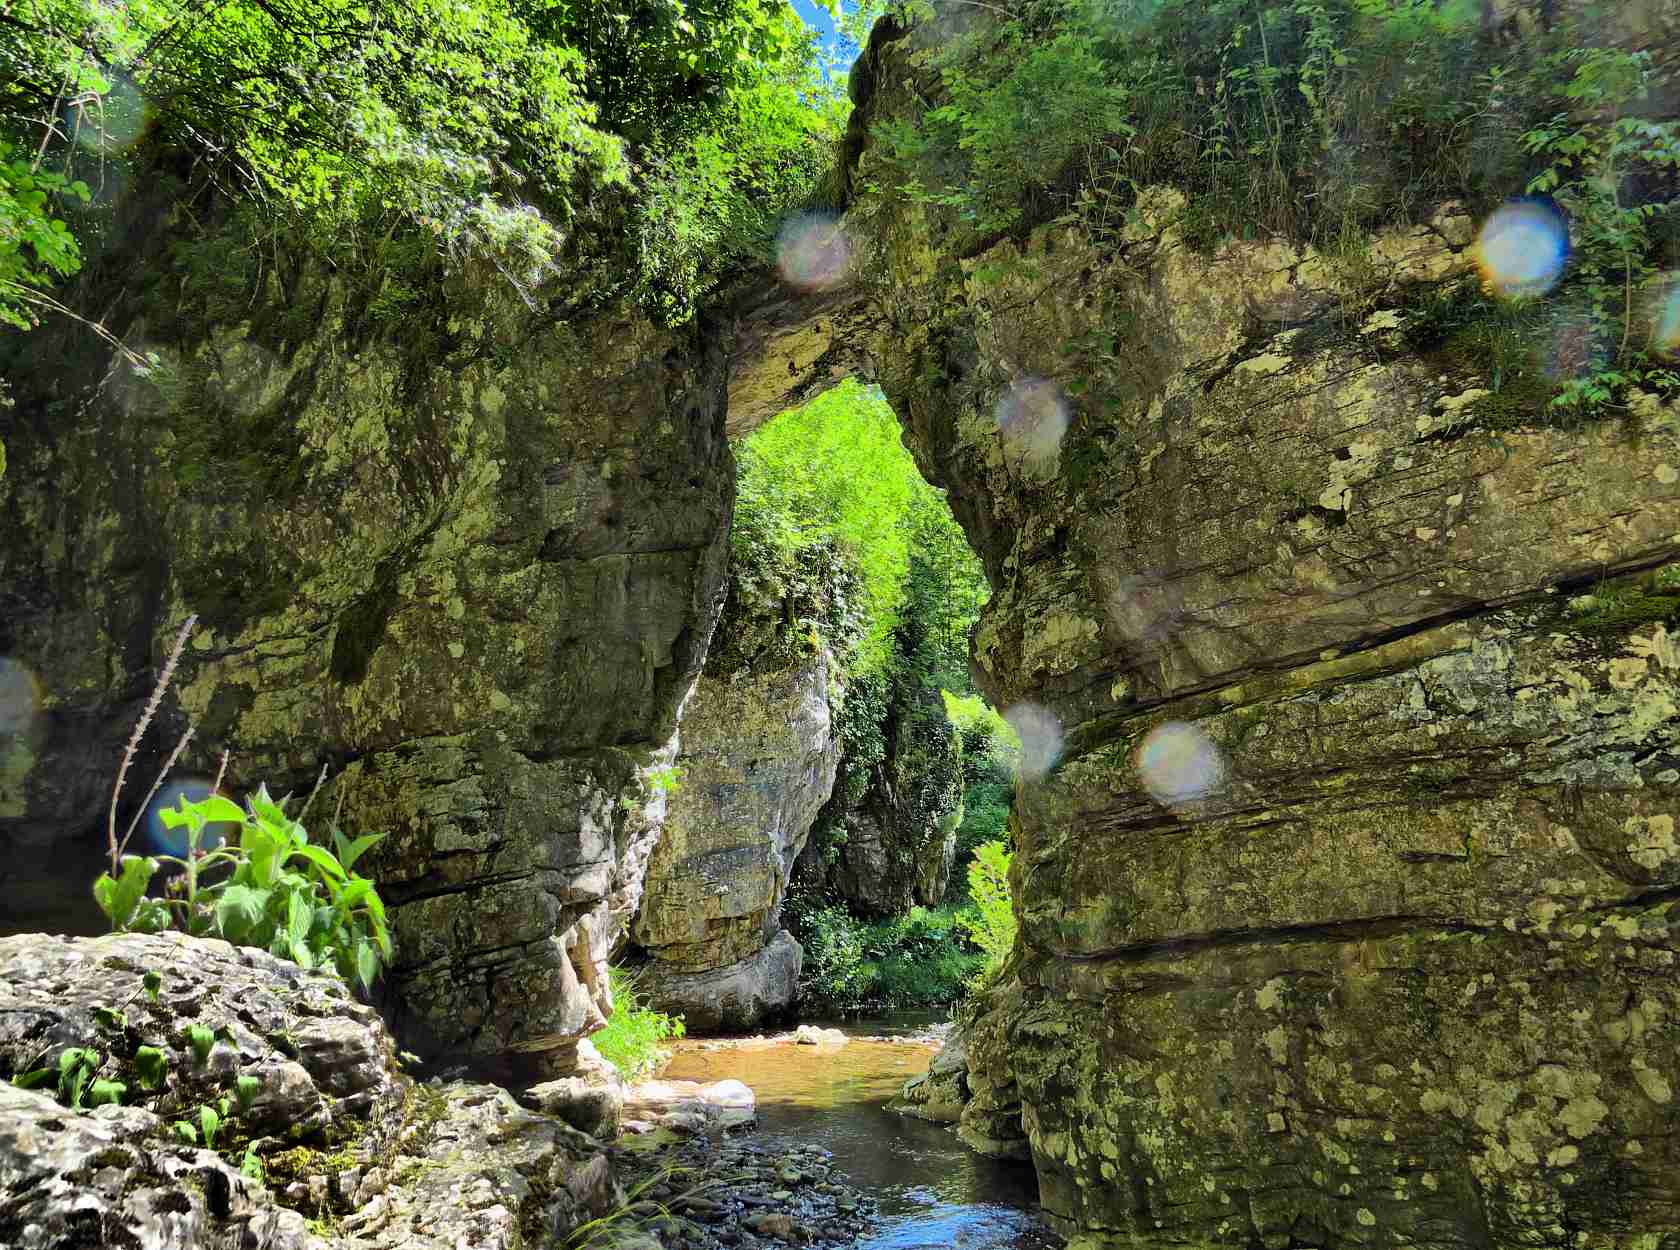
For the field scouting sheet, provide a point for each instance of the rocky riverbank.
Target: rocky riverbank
(730, 1193)
(192, 1094)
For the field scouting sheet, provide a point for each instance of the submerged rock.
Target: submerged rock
(940, 1093)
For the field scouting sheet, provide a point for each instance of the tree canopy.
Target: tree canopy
(478, 119)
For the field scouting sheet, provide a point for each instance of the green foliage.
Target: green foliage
(831, 970)
(833, 472)
(152, 1066)
(1603, 166)
(834, 521)
(271, 888)
(489, 125)
(985, 818)
(987, 739)
(76, 1066)
(922, 959)
(36, 244)
(634, 1034)
(209, 1124)
(991, 923)
(86, 1078)
(1305, 117)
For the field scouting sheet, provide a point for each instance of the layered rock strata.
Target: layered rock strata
(457, 541)
(757, 763)
(1347, 911)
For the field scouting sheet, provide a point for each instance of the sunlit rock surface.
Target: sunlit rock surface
(1373, 942)
(354, 1155)
(757, 763)
(461, 543)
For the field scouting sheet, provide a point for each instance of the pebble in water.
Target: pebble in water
(813, 252)
(1523, 248)
(1033, 417)
(1041, 738)
(1178, 762)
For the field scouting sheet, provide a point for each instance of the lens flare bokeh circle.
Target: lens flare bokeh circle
(1040, 733)
(112, 123)
(813, 252)
(20, 697)
(1032, 416)
(1665, 321)
(1523, 247)
(1178, 762)
(166, 841)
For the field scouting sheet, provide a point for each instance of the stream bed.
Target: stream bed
(930, 1190)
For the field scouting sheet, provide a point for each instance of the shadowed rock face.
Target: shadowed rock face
(901, 836)
(468, 553)
(1347, 917)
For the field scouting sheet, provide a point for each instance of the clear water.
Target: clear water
(933, 1192)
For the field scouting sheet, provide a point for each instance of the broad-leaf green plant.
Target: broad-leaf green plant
(266, 886)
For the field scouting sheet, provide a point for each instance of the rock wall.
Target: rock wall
(894, 845)
(459, 542)
(756, 765)
(1347, 910)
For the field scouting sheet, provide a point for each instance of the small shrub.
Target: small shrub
(832, 974)
(634, 1033)
(991, 923)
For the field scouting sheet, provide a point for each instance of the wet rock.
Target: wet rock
(591, 1102)
(940, 1093)
(689, 1106)
(814, 1035)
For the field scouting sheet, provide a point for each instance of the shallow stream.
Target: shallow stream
(933, 1192)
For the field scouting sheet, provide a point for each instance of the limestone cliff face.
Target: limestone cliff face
(757, 763)
(464, 547)
(1348, 912)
